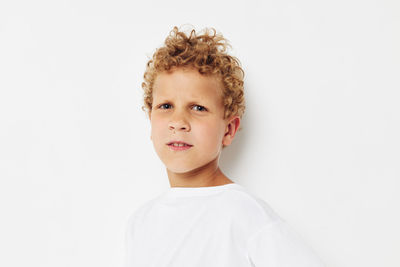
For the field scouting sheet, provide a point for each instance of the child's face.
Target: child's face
(188, 107)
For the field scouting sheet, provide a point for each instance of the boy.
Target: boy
(193, 92)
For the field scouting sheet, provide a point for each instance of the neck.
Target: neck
(207, 175)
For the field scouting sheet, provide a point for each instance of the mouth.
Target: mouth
(179, 145)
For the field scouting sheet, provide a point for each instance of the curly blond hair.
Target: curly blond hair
(206, 53)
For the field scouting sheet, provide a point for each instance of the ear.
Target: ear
(230, 130)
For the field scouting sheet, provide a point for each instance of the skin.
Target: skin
(187, 106)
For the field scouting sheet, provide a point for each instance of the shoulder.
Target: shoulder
(272, 241)
(247, 206)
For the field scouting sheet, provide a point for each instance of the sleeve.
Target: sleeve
(277, 245)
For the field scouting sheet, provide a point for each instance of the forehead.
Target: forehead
(189, 83)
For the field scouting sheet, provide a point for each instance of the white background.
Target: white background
(320, 139)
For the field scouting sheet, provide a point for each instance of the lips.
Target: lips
(183, 146)
(178, 142)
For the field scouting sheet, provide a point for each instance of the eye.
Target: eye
(201, 107)
(164, 105)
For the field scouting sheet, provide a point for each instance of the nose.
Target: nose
(178, 122)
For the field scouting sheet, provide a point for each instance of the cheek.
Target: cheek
(211, 134)
(157, 128)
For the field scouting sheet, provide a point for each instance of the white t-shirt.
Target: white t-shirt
(220, 226)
